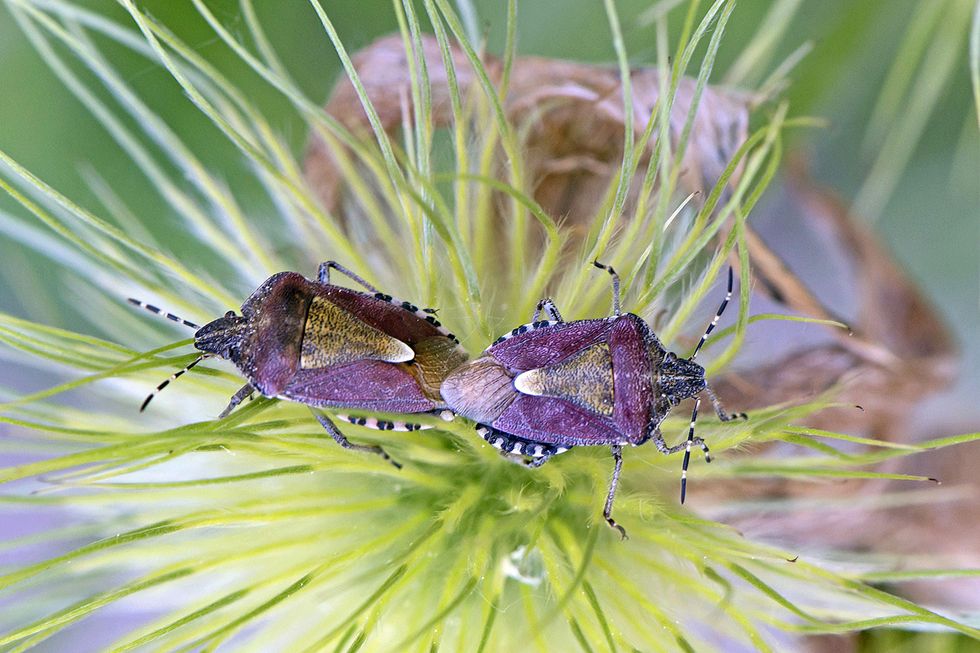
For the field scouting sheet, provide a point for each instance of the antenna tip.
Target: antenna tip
(146, 402)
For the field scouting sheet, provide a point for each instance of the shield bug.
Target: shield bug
(329, 346)
(551, 385)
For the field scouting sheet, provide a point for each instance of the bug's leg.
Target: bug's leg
(548, 306)
(347, 444)
(720, 410)
(661, 444)
(534, 463)
(243, 393)
(617, 452)
(616, 307)
(323, 274)
(658, 441)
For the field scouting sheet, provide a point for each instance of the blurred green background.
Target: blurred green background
(892, 79)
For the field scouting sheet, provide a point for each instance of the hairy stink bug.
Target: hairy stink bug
(332, 347)
(551, 385)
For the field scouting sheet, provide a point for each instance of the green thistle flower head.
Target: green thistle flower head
(256, 531)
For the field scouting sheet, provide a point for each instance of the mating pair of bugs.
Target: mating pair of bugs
(543, 388)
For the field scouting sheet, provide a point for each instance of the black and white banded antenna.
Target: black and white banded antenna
(173, 318)
(156, 391)
(714, 320)
(162, 313)
(719, 409)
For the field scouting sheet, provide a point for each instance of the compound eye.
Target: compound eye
(230, 314)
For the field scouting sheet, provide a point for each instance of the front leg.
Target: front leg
(661, 444)
(243, 393)
(658, 441)
(616, 306)
(720, 410)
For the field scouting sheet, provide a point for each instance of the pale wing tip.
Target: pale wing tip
(400, 352)
(527, 383)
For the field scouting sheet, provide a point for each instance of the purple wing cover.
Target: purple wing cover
(275, 317)
(555, 421)
(633, 378)
(380, 314)
(362, 384)
(549, 345)
(278, 311)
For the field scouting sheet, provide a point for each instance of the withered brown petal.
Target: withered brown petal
(570, 115)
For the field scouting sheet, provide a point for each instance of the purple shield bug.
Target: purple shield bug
(551, 385)
(328, 346)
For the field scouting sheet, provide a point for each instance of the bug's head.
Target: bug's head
(223, 337)
(679, 378)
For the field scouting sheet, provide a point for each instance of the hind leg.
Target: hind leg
(323, 274)
(340, 439)
(617, 452)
